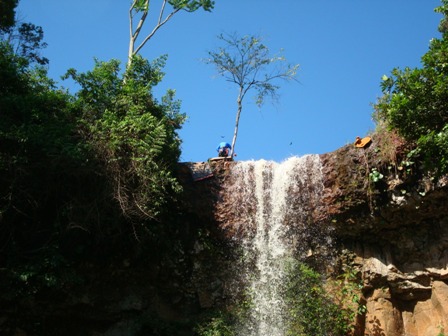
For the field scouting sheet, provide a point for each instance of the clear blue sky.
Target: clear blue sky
(343, 48)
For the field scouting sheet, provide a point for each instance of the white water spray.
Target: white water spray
(272, 201)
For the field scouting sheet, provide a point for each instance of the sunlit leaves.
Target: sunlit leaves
(415, 101)
(132, 135)
(143, 71)
(140, 5)
(192, 5)
(313, 310)
(443, 9)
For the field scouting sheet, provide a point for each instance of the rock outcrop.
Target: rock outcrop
(393, 219)
(397, 228)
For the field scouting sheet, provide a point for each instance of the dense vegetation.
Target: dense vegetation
(85, 179)
(415, 102)
(314, 306)
(98, 164)
(131, 135)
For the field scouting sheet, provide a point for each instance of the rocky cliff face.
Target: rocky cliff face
(393, 221)
(386, 217)
(397, 230)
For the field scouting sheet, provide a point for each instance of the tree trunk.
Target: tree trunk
(130, 52)
(237, 121)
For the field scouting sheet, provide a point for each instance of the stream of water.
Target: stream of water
(277, 202)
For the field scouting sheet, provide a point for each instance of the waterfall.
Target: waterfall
(273, 205)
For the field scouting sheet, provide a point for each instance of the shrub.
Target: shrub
(133, 135)
(415, 101)
(313, 309)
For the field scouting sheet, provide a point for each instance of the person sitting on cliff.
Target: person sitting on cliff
(223, 149)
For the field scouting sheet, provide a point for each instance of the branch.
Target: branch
(131, 19)
(131, 16)
(140, 24)
(160, 23)
(133, 36)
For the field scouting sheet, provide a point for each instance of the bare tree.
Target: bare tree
(139, 10)
(246, 62)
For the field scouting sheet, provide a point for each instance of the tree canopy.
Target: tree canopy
(108, 152)
(133, 136)
(7, 13)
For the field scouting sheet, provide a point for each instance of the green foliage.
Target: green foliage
(26, 41)
(44, 169)
(228, 322)
(50, 270)
(313, 310)
(219, 325)
(315, 307)
(435, 148)
(7, 13)
(415, 101)
(41, 157)
(134, 137)
(63, 157)
(375, 175)
(188, 5)
(36, 122)
(192, 5)
(443, 9)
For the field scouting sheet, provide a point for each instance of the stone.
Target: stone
(382, 318)
(426, 316)
(439, 300)
(439, 273)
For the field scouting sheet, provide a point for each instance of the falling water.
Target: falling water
(273, 205)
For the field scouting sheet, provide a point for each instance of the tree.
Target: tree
(443, 26)
(132, 135)
(246, 62)
(42, 160)
(7, 13)
(415, 101)
(26, 40)
(141, 8)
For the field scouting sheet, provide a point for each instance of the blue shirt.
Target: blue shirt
(223, 145)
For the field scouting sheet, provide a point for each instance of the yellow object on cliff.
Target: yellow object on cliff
(362, 142)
